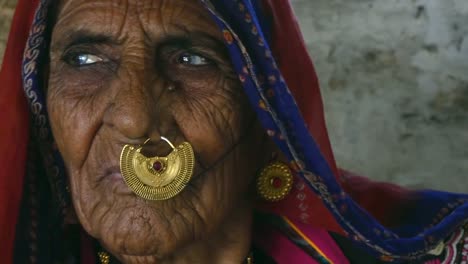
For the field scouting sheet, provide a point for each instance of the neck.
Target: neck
(229, 244)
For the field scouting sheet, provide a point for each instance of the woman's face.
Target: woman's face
(124, 71)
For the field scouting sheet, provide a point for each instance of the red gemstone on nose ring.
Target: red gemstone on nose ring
(157, 166)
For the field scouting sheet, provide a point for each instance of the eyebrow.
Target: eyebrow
(194, 38)
(88, 38)
(84, 37)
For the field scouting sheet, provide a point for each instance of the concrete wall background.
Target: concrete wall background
(6, 14)
(394, 76)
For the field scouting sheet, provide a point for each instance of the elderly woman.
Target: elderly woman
(188, 131)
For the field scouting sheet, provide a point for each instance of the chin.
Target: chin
(128, 226)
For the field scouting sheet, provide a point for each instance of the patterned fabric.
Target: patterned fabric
(268, 55)
(452, 251)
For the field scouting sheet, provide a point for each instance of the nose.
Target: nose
(132, 111)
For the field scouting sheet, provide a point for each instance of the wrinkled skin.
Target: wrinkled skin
(125, 71)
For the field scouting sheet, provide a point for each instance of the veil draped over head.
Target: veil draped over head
(270, 58)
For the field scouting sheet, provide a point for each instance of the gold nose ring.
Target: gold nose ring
(157, 178)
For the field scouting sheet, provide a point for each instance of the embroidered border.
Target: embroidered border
(33, 54)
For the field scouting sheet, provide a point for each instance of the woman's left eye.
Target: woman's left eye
(193, 59)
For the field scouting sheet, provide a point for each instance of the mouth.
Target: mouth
(114, 174)
(113, 181)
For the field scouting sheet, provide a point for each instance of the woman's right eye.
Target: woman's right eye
(83, 59)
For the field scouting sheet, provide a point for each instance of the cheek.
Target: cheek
(213, 122)
(73, 119)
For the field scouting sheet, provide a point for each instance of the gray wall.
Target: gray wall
(6, 14)
(394, 76)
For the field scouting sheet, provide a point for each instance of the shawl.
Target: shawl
(269, 55)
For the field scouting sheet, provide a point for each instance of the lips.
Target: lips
(113, 181)
(114, 173)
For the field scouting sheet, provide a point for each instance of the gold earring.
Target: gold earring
(157, 178)
(275, 182)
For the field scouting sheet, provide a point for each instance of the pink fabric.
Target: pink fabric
(281, 249)
(323, 241)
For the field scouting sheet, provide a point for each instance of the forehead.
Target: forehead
(124, 17)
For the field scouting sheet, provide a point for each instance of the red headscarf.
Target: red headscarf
(14, 128)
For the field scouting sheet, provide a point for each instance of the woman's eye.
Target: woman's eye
(193, 59)
(84, 59)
